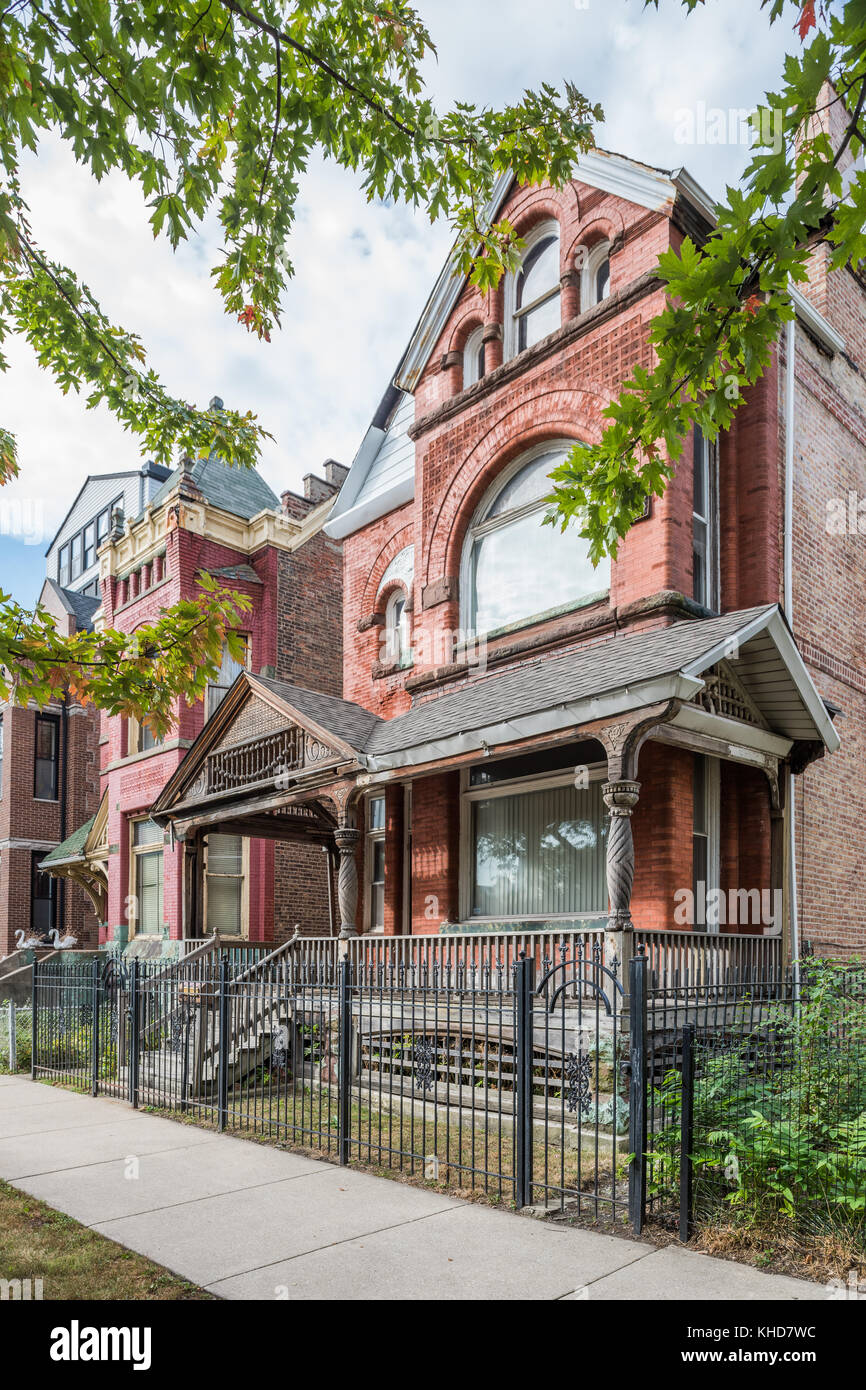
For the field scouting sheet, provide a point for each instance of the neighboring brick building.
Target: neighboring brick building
(210, 518)
(50, 762)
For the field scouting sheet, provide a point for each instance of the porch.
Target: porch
(632, 793)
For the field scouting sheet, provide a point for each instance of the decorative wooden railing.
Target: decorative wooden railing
(258, 760)
(682, 959)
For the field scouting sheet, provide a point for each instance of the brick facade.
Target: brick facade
(558, 389)
(294, 631)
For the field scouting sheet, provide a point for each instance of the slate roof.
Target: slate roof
(81, 606)
(72, 846)
(241, 491)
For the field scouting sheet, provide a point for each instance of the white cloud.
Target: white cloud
(362, 271)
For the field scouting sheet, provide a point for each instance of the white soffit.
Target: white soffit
(765, 657)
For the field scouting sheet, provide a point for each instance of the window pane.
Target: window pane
(377, 813)
(146, 832)
(377, 906)
(224, 904)
(76, 556)
(103, 523)
(538, 322)
(530, 484)
(699, 503)
(148, 889)
(540, 272)
(46, 736)
(63, 565)
(524, 568)
(602, 282)
(225, 854)
(540, 853)
(699, 795)
(378, 865)
(89, 545)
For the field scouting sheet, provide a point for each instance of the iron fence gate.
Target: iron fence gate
(507, 1079)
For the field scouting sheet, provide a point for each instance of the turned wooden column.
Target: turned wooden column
(620, 799)
(346, 839)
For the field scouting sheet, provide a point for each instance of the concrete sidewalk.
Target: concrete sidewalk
(251, 1222)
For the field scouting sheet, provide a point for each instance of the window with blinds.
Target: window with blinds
(147, 861)
(224, 884)
(539, 852)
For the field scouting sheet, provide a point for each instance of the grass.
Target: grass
(73, 1262)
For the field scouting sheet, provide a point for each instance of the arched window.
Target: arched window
(533, 292)
(515, 568)
(473, 357)
(396, 648)
(595, 281)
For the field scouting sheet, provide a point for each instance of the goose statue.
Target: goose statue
(62, 943)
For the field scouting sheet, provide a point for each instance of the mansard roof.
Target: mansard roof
(241, 491)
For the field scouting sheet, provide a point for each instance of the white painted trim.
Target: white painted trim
(732, 731)
(772, 622)
(815, 322)
(560, 717)
(338, 527)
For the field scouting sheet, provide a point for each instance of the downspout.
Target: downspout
(788, 579)
(64, 772)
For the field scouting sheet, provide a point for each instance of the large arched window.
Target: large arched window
(533, 307)
(514, 567)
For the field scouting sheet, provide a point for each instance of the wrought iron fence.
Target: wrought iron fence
(757, 1105)
(15, 1036)
(488, 1076)
(528, 1082)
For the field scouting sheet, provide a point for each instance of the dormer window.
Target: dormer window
(595, 285)
(473, 358)
(534, 292)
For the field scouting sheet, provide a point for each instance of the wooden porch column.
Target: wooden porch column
(346, 838)
(620, 799)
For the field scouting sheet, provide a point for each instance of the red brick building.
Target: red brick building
(225, 522)
(49, 779)
(524, 741)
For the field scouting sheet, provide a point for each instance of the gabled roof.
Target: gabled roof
(553, 694)
(79, 606)
(241, 491)
(361, 500)
(91, 477)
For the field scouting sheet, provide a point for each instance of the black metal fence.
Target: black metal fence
(506, 1080)
(537, 1081)
(757, 1105)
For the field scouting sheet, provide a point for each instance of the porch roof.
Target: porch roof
(71, 851)
(547, 696)
(610, 677)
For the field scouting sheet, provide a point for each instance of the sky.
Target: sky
(362, 271)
